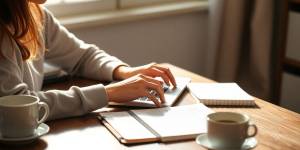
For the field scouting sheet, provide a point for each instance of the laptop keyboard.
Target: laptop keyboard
(165, 87)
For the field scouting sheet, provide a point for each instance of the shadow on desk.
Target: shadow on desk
(73, 123)
(38, 144)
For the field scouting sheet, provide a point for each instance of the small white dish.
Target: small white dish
(41, 130)
(202, 140)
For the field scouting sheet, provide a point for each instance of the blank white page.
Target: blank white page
(218, 91)
(173, 123)
(127, 126)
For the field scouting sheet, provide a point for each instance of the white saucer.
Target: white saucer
(202, 140)
(41, 130)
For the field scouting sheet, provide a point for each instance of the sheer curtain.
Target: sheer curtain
(241, 44)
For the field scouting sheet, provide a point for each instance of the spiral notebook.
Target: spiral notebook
(157, 124)
(221, 94)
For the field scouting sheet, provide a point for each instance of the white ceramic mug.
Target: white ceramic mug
(19, 115)
(229, 129)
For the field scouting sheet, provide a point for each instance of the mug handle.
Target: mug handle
(46, 113)
(255, 129)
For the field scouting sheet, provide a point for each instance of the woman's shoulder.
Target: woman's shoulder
(48, 15)
(46, 11)
(50, 24)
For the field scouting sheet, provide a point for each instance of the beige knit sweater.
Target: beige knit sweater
(68, 52)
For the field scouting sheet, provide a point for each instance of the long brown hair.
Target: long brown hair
(21, 20)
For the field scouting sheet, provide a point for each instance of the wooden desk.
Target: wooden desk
(279, 129)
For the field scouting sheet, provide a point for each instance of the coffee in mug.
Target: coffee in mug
(19, 115)
(229, 129)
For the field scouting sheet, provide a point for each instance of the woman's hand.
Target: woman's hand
(152, 70)
(135, 87)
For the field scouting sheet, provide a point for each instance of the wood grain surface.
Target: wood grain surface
(278, 128)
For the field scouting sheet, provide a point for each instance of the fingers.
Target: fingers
(155, 85)
(154, 99)
(149, 79)
(156, 70)
(168, 73)
(136, 87)
(158, 73)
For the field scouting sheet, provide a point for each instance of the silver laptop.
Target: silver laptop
(171, 95)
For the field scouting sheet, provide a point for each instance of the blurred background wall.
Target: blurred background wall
(177, 39)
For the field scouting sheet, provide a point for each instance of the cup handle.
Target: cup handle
(46, 113)
(255, 129)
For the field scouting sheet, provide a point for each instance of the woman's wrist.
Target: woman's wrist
(109, 92)
(121, 72)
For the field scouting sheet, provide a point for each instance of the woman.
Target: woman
(29, 35)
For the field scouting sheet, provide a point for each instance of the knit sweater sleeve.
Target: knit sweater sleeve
(75, 56)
